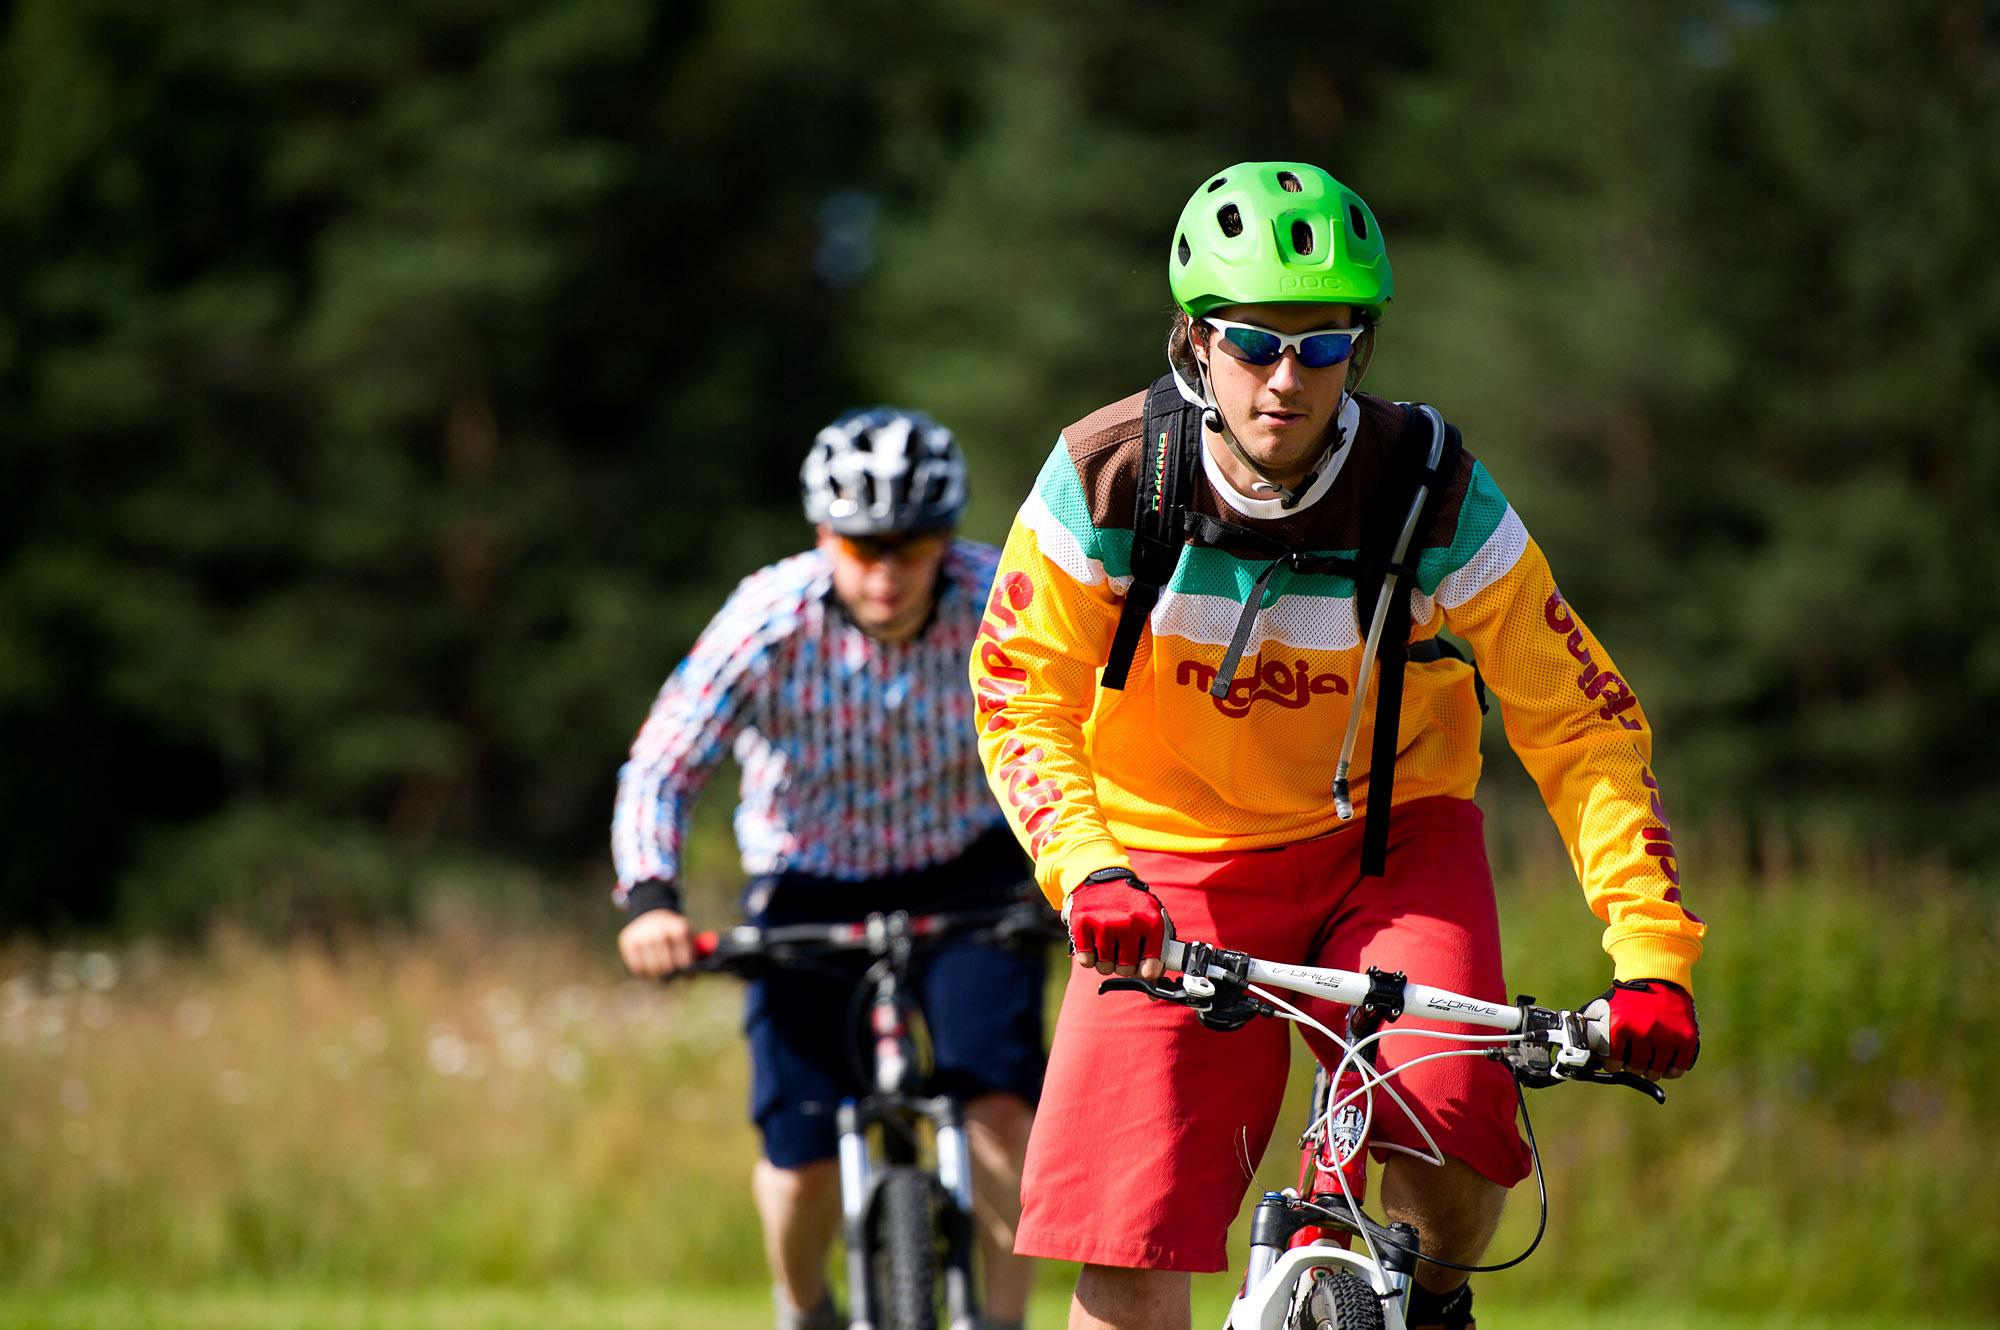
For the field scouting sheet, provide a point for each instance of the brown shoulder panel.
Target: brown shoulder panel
(1104, 446)
(1382, 423)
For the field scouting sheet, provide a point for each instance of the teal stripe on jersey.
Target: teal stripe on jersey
(1062, 494)
(1478, 517)
(1212, 572)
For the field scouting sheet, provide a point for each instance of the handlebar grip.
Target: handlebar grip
(1172, 950)
(1597, 1026)
(706, 944)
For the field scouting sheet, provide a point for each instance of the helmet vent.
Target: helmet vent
(1217, 183)
(1184, 252)
(1230, 220)
(1357, 221)
(1302, 237)
(1290, 184)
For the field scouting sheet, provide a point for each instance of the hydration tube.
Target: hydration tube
(1343, 800)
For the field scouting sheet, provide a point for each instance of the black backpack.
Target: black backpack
(1163, 523)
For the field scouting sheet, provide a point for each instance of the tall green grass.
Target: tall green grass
(495, 1105)
(1833, 1149)
(469, 1105)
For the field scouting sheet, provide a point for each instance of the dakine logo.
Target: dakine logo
(1290, 686)
(1159, 471)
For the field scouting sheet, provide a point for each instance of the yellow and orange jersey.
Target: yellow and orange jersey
(1084, 772)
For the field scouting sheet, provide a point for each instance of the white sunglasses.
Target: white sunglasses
(1262, 346)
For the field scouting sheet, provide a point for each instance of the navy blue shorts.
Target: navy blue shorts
(981, 1005)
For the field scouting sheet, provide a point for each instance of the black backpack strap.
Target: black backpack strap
(1170, 452)
(1414, 448)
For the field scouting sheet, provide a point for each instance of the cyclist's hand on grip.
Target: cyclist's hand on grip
(1116, 926)
(1651, 1027)
(656, 943)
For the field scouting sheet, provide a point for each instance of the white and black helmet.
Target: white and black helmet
(882, 471)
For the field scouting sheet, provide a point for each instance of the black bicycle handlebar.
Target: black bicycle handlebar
(746, 947)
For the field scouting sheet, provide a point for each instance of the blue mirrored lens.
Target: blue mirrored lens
(1253, 344)
(1326, 349)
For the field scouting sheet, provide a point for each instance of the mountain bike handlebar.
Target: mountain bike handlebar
(1209, 963)
(1554, 1045)
(742, 948)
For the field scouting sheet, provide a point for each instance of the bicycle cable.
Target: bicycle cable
(859, 1059)
(1382, 1081)
(1541, 1228)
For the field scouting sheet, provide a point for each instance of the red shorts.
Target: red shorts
(1146, 1115)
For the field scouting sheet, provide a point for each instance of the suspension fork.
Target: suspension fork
(856, 1179)
(954, 1172)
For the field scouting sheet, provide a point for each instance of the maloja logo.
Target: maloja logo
(1597, 684)
(999, 679)
(1290, 686)
(1659, 843)
(1030, 795)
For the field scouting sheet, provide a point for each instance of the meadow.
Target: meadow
(477, 1122)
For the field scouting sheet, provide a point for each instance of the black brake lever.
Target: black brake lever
(1170, 991)
(1224, 1010)
(1627, 1079)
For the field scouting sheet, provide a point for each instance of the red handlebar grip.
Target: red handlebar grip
(705, 944)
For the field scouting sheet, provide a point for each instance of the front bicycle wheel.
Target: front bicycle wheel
(1338, 1300)
(905, 1260)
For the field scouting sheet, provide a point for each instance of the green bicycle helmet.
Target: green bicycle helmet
(1263, 232)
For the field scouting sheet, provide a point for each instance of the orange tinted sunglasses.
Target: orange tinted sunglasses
(911, 547)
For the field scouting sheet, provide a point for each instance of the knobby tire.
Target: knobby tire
(1339, 1300)
(906, 1251)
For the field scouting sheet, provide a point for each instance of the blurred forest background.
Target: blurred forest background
(390, 391)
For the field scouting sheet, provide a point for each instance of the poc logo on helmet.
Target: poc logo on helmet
(1308, 282)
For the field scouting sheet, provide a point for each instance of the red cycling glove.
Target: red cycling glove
(1652, 1027)
(1115, 918)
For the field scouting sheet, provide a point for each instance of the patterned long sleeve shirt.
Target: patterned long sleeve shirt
(858, 757)
(1084, 772)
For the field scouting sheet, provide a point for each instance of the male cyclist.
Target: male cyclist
(1200, 790)
(837, 676)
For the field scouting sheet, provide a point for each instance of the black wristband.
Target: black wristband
(1646, 986)
(652, 894)
(1125, 875)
